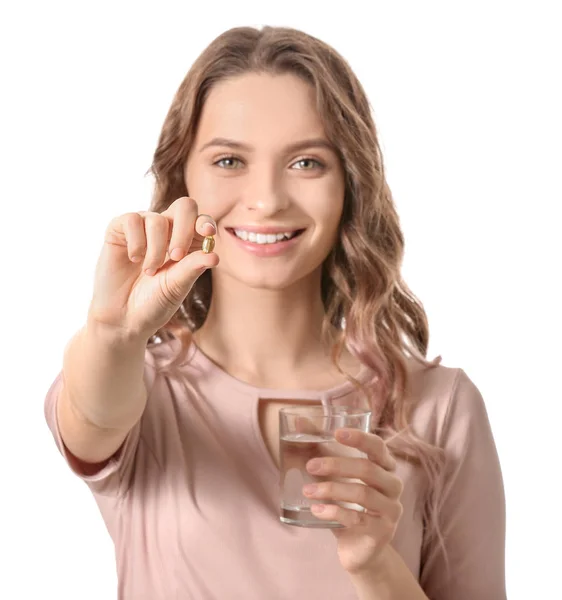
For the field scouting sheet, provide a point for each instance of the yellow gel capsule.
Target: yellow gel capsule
(208, 244)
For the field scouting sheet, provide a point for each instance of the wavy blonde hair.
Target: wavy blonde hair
(369, 308)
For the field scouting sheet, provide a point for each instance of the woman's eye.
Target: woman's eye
(227, 162)
(306, 164)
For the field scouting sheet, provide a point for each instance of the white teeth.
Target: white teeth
(263, 238)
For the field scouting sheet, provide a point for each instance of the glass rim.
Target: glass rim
(297, 411)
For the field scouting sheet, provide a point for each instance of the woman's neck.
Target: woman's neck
(263, 336)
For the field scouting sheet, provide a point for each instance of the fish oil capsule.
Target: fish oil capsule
(208, 244)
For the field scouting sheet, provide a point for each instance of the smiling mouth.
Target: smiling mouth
(265, 238)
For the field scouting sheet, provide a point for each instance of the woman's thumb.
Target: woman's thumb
(181, 276)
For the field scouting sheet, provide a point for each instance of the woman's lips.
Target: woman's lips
(267, 249)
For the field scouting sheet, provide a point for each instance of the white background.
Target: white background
(466, 98)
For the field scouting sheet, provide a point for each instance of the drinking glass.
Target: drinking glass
(307, 432)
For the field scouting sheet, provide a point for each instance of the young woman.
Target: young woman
(167, 403)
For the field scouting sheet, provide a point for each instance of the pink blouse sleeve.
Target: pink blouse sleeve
(472, 513)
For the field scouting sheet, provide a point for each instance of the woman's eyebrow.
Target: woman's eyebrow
(295, 147)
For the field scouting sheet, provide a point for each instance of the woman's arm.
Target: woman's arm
(472, 507)
(103, 395)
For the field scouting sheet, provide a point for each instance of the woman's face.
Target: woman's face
(262, 167)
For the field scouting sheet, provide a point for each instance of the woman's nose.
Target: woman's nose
(266, 194)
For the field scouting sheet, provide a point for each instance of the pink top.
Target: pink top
(192, 502)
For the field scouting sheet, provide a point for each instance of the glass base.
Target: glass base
(303, 517)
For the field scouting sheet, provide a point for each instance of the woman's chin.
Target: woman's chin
(267, 278)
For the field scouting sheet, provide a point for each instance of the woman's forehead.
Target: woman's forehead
(254, 107)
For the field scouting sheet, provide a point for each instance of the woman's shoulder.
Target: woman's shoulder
(430, 379)
(441, 394)
(168, 357)
(174, 369)
(165, 373)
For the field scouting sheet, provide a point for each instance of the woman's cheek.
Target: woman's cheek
(214, 195)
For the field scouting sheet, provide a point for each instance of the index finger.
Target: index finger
(186, 226)
(181, 214)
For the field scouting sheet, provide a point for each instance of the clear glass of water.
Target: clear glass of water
(307, 432)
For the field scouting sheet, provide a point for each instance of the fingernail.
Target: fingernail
(176, 254)
(344, 435)
(310, 488)
(211, 225)
(136, 259)
(314, 465)
(150, 272)
(317, 508)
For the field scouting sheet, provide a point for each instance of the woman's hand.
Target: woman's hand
(147, 266)
(365, 535)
